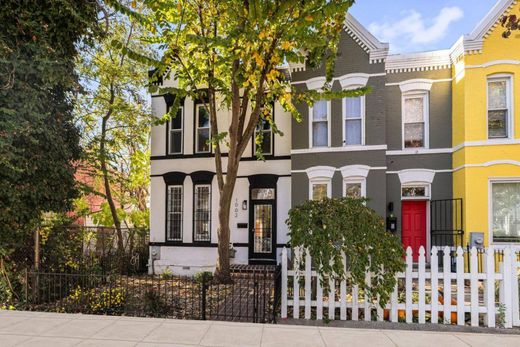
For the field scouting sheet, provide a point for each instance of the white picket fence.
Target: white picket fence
(423, 293)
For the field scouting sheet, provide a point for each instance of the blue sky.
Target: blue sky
(420, 25)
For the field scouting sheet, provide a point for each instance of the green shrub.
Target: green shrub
(203, 277)
(329, 228)
(95, 300)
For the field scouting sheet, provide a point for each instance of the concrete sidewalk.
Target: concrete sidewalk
(19, 328)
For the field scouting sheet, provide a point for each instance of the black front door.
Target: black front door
(262, 221)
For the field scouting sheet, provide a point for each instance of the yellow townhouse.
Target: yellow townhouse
(486, 128)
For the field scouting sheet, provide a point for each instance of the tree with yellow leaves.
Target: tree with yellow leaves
(230, 53)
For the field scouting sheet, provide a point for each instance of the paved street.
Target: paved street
(50, 329)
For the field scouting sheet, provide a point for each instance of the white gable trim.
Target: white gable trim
(377, 50)
(474, 41)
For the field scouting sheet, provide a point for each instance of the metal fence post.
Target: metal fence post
(204, 292)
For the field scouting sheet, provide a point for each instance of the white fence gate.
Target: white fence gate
(481, 292)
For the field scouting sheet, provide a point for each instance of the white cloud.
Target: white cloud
(413, 31)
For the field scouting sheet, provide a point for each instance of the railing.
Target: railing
(435, 295)
(446, 222)
(251, 297)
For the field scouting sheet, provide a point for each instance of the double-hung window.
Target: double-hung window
(202, 213)
(265, 134)
(175, 132)
(415, 120)
(174, 213)
(499, 107)
(353, 115)
(320, 124)
(203, 130)
(505, 211)
(354, 188)
(320, 189)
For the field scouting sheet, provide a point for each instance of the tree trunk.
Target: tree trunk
(108, 190)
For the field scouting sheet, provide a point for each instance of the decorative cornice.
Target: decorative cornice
(377, 50)
(425, 61)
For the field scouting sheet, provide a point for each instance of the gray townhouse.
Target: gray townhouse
(392, 146)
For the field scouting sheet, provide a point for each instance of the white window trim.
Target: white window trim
(508, 78)
(181, 130)
(426, 97)
(320, 175)
(197, 128)
(490, 206)
(363, 116)
(170, 188)
(355, 179)
(320, 180)
(311, 121)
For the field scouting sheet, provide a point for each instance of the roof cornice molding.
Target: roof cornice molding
(377, 50)
(424, 61)
(474, 41)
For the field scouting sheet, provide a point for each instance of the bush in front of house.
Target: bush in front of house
(95, 301)
(329, 228)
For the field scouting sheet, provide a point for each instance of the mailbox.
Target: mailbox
(391, 220)
(391, 223)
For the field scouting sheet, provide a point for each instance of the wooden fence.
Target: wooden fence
(434, 290)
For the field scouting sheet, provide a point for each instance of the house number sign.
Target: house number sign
(236, 208)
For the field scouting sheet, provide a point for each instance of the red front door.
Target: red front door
(414, 225)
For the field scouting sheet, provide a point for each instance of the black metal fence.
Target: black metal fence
(446, 222)
(253, 296)
(77, 249)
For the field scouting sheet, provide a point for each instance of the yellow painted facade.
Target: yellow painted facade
(477, 159)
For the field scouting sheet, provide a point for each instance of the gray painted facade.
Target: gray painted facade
(382, 150)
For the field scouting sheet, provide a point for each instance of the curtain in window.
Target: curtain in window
(353, 119)
(414, 122)
(320, 130)
(202, 214)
